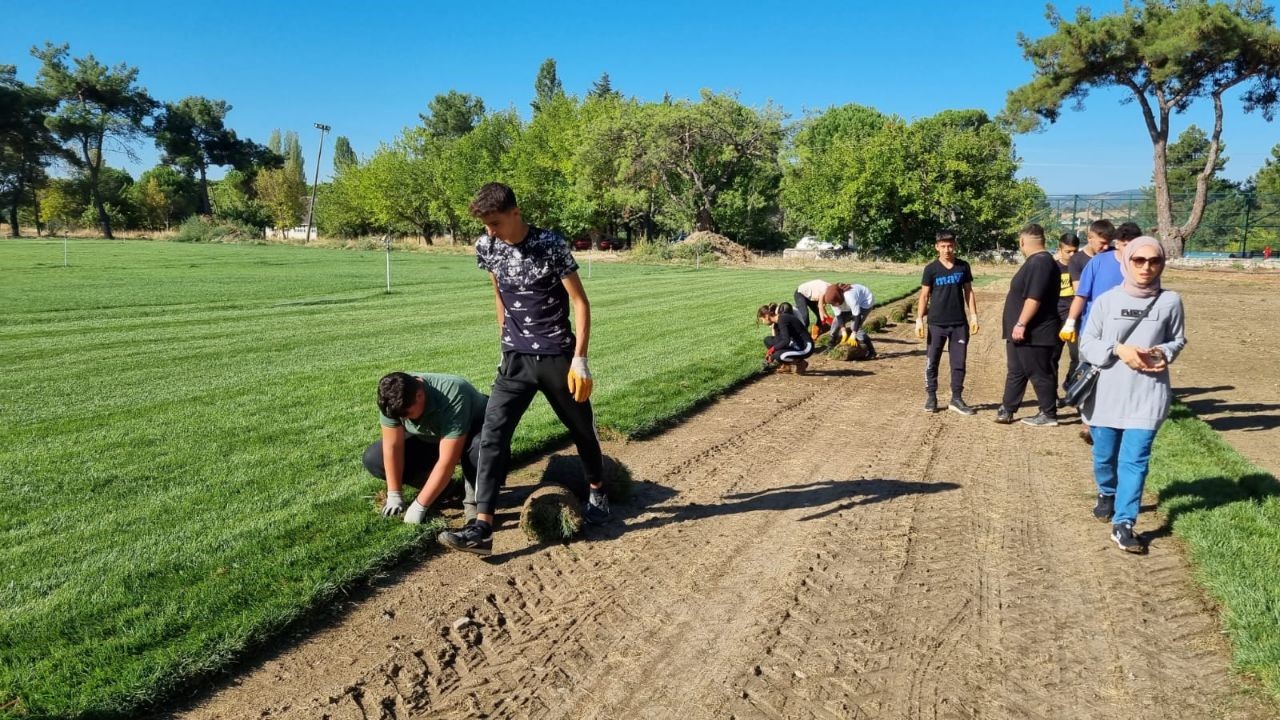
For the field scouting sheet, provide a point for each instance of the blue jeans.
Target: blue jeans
(1121, 459)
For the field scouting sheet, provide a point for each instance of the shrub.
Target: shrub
(201, 229)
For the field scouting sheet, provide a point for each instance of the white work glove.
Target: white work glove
(393, 505)
(920, 328)
(580, 379)
(1068, 331)
(415, 514)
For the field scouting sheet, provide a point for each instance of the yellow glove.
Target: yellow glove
(1068, 331)
(973, 327)
(580, 380)
(920, 328)
(851, 341)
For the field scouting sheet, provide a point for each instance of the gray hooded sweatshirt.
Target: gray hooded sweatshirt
(1125, 398)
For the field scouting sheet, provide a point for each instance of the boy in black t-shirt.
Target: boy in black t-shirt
(947, 307)
(1030, 325)
(535, 280)
(1068, 245)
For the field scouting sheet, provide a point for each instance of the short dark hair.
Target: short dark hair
(1103, 229)
(1128, 231)
(1033, 230)
(1069, 239)
(396, 392)
(947, 235)
(492, 197)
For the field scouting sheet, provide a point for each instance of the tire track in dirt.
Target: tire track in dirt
(807, 547)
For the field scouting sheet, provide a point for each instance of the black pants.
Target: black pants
(793, 353)
(1033, 363)
(1073, 351)
(802, 307)
(422, 455)
(854, 323)
(520, 378)
(940, 336)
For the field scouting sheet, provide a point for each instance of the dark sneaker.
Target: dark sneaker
(1105, 507)
(1060, 403)
(1004, 416)
(597, 508)
(959, 405)
(931, 403)
(1040, 420)
(471, 538)
(1122, 534)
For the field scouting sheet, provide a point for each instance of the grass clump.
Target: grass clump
(551, 513)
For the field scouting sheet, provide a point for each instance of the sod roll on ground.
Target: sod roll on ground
(181, 429)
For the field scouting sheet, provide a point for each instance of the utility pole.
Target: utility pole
(311, 211)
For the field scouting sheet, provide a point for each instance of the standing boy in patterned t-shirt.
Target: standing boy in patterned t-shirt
(535, 280)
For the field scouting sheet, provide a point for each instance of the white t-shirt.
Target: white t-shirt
(857, 300)
(814, 289)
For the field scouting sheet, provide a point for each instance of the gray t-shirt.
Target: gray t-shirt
(1125, 398)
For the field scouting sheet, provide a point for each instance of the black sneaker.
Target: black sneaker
(1060, 403)
(930, 403)
(1122, 534)
(1040, 420)
(1105, 507)
(597, 510)
(1004, 416)
(959, 405)
(471, 538)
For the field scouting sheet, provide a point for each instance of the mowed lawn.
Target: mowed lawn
(181, 429)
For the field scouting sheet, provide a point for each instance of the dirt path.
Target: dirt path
(1231, 377)
(808, 547)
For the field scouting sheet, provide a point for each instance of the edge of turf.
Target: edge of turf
(1226, 511)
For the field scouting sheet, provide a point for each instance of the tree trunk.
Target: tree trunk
(205, 207)
(703, 220)
(13, 216)
(35, 204)
(1169, 236)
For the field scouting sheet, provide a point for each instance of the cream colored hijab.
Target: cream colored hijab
(1131, 285)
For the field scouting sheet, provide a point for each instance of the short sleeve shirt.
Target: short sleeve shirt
(946, 291)
(1100, 275)
(1037, 279)
(1066, 291)
(1076, 266)
(814, 289)
(857, 300)
(534, 301)
(454, 408)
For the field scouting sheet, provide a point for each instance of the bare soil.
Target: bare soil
(807, 547)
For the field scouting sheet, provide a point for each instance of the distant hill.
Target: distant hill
(1105, 195)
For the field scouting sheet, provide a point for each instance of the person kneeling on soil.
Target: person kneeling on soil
(1132, 397)
(430, 423)
(852, 305)
(789, 345)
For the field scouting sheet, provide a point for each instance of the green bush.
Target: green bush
(196, 229)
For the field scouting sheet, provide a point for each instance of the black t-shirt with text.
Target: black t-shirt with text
(1037, 279)
(946, 291)
(1066, 291)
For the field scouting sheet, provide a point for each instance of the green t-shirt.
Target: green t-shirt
(454, 407)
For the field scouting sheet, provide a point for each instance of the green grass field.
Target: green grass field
(1227, 511)
(181, 427)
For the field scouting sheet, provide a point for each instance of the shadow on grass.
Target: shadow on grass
(1236, 416)
(1188, 496)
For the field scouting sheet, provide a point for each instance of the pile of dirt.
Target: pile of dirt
(721, 246)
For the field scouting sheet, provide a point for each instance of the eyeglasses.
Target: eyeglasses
(1143, 261)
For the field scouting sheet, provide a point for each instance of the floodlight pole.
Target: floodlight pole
(311, 211)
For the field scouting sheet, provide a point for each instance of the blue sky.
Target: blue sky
(368, 68)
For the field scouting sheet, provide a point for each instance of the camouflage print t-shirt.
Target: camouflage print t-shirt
(534, 300)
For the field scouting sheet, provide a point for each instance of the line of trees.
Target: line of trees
(76, 111)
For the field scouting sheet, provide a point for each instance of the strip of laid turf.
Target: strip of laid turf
(1227, 511)
(181, 427)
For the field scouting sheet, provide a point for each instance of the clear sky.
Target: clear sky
(368, 68)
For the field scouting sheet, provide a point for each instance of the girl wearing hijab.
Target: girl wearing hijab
(1132, 396)
(790, 343)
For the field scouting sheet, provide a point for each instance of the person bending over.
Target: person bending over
(430, 423)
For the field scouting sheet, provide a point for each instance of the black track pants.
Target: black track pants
(1032, 363)
(802, 307)
(941, 336)
(520, 378)
(420, 456)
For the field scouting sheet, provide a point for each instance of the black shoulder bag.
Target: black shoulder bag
(1081, 382)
